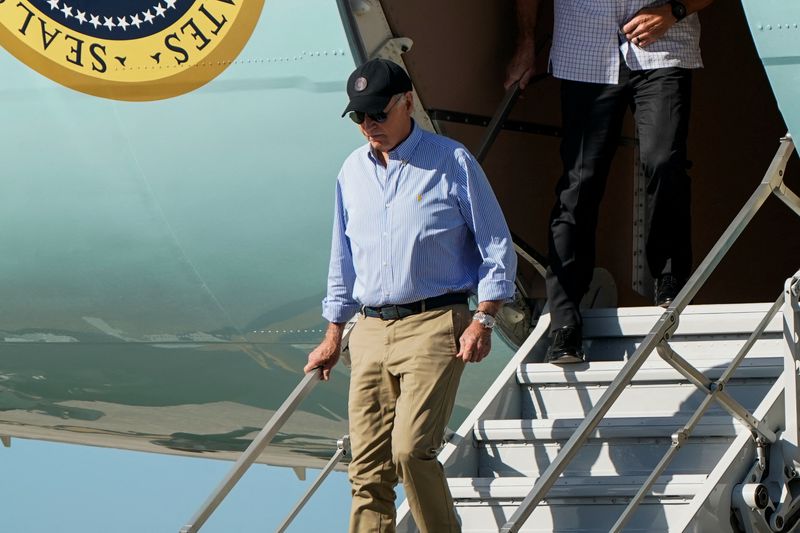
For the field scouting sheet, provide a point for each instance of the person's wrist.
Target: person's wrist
(676, 11)
(485, 319)
(526, 42)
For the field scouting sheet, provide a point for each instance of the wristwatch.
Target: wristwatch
(484, 319)
(678, 10)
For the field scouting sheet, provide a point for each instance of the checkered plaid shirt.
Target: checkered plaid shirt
(588, 41)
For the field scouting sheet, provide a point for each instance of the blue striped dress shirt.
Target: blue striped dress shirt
(426, 224)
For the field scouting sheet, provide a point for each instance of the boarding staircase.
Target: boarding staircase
(532, 410)
(699, 438)
(696, 438)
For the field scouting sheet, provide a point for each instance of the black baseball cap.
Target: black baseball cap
(372, 85)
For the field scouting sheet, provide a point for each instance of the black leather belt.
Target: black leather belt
(394, 312)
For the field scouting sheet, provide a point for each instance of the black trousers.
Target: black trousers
(592, 117)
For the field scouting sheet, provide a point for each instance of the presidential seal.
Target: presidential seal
(128, 49)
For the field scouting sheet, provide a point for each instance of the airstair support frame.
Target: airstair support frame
(767, 498)
(682, 435)
(716, 389)
(662, 331)
(791, 356)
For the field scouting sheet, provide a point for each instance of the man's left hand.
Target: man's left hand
(475, 342)
(648, 25)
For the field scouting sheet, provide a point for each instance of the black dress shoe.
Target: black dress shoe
(667, 288)
(566, 346)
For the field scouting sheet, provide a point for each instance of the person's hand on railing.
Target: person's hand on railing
(523, 65)
(326, 355)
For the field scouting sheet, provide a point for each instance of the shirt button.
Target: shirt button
(385, 234)
(387, 205)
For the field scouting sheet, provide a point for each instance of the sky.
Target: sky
(70, 488)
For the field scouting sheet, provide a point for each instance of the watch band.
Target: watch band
(484, 319)
(678, 10)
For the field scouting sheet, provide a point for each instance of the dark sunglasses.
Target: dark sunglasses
(380, 117)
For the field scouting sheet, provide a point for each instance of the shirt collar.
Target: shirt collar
(403, 150)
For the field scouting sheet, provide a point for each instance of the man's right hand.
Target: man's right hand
(326, 355)
(523, 65)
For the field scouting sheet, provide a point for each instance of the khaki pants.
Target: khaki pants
(403, 384)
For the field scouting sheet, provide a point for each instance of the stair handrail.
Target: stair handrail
(262, 440)
(772, 183)
(249, 456)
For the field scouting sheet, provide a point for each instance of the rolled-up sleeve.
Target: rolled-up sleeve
(339, 304)
(485, 219)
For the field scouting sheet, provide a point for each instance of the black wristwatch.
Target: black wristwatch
(678, 10)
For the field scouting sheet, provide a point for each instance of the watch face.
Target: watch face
(484, 319)
(678, 10)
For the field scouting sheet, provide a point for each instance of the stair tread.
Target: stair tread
(694, 320)
(682, 485)
(655, 369)
(611, 427)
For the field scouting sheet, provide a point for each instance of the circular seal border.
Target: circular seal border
(183, 81)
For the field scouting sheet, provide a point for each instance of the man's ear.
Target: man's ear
(409, 97)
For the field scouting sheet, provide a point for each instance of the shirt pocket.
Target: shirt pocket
(434, 207)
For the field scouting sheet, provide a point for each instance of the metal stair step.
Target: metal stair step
(631, 446)
(574, 504)
(719, 349)
(592, 517)
(722, 319)
(655, 370)
(573, 487)
(609, 428)
(550, 391)
(557, 402)
(631, 457)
